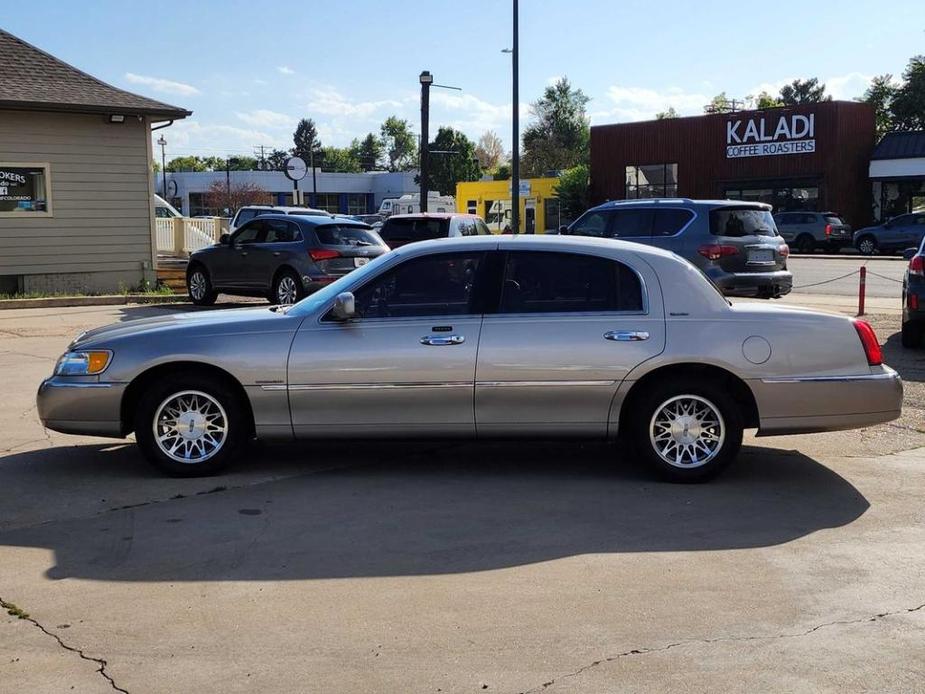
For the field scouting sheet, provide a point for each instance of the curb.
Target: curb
(116, 300)
(829, 256)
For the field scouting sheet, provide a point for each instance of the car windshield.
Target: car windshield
(344, 235)
(326, 295)
(742, 221)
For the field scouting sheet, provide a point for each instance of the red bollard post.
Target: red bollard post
(862, 290)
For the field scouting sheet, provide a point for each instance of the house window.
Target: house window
(652, 181)
(25, 190)
(356, 203)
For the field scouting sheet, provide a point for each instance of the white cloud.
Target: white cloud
(285, 70)
(159, 84)
(330, 102)
(639, 103)
(262, 118)
(848, 86)
(192, 137)
(473, 116)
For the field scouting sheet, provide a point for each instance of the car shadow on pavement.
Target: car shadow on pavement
(908, 362)
(428, 509)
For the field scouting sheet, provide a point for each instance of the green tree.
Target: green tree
(880, 95)
(560, 135)
(399, 143)
(276, 159)
(670, 113)
(908, 105)
(502, 173)
(244, 163)
(367, 151)
(305, 140)
(188, 163)
(573, 190)
(810, 91)
(340, 159)
(213, 163)
(456, 163)
(763, 100)
(720, 104)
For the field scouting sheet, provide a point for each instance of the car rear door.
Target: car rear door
(283, 241)
(568, 328)
(405, 366)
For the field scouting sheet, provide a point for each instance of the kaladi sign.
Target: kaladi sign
(767, 137)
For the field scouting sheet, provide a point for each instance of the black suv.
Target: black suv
(282, 257)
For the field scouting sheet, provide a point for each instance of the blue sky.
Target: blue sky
(250, 70)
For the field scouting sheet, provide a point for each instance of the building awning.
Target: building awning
(899, 155)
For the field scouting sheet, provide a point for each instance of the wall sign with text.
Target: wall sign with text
(768, 137)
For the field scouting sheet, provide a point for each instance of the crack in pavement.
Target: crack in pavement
(17, 612)
(720, 639)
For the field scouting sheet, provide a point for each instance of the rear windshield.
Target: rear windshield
(742, 221)
(830, 219)
(344, 235)
(409, 230)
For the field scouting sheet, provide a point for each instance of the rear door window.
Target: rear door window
(592, 224)
(544, 282)
(631, 223)
(280, 231)
(670, 222)
(345, 235)
(742, 221)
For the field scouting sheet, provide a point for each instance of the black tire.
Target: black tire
(912, 334)
(805, 243)
(682, 390)
(199, 286)
(867, 245)
(287, 288)
(156, 400)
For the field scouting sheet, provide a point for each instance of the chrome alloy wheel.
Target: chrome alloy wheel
(867, 246)
(687, 431)
(286, 291)
(190, 426)
(197, 285)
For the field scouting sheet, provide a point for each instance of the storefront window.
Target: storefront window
(330, 202)
(24, 190)
(901, 197)
(652, 181)
(356, 203)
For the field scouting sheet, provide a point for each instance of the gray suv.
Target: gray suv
(281, 257)
(807, 231)
(735, 244)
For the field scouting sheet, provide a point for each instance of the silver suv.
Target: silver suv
(735, 244)
(807, 231)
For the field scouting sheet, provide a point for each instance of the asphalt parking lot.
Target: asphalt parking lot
(456, 567)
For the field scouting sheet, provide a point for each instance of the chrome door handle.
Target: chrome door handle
(276, 254)
(442, 340)
(626, 335)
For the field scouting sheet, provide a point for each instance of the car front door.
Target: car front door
(247, 244)
(404, 366)
(227, 265)
(568, 329)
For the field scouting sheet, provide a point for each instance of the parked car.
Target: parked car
(507, 336)
(894, 235)
(400, 229)
(913, 329)
(735, 244)
(164, 210)
(807, 231)
(374, 220)
(249, 212)
(281, 257)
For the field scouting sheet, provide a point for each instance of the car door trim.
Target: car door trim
(368, 386)
(886, 376)
(542, 384)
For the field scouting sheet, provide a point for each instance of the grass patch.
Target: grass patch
(145, 289)
(14, 610)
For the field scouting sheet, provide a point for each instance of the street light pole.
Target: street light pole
(515, 151)
(426, 80)
(163, 143)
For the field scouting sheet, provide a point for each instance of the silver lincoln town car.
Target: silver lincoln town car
(480, 337)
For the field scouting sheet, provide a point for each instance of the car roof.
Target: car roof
(315, 220)
(678, 202)
(432, 215)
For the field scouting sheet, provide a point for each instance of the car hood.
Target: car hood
(213, 322)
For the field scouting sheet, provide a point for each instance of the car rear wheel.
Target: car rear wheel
(199, 287)
(806, 243)
(867, 245)
(287, 289)
(912, 333)
(189, 425)
(687, 430)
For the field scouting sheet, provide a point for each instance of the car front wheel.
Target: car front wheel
(199, 287)
(189, 425)
(687, 430)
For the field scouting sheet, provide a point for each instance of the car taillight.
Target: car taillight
(323, 254)
(784, 250)
(917, 265)
(828, 229)
(870, 342)
(912, 301)
(715, 251)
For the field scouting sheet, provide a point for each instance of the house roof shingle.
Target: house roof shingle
(909, 145)
(30, 78)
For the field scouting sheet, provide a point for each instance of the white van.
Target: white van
(163, 209)
(411, 204)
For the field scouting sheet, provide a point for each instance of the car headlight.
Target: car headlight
(85, 363)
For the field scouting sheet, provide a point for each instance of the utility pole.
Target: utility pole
(228, 183)
(262, 157)
(426, 80)
(515, 151)
(311, 159)
(162, 141)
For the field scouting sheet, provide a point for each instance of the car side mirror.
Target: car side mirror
(344, 308)
(225, 239)
(563, 229)
(909, 253)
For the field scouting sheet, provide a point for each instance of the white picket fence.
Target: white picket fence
(181, 236)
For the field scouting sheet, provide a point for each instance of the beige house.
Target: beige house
(76, 191)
